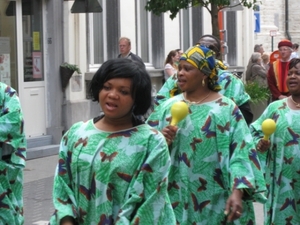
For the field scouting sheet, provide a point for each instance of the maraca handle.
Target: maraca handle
(173, 122)
(266, 137)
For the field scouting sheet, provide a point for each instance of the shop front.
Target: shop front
(30, 54)
(21, 59)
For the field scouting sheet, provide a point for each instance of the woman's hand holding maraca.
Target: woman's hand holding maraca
(263, 145)
(179, 111)
(169, 132)
(268, 127)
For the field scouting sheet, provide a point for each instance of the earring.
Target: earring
(203, 83)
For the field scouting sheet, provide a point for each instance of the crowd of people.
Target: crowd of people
(209, 168)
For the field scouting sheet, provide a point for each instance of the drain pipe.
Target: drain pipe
(287, 32)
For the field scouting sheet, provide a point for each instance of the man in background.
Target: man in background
(125, 47)
(278, 71)
(259, 48)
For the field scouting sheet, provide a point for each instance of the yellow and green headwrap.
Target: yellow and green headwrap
(203, 58)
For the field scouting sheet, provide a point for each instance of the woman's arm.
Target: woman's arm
(12, 124)
(148, 201)
(63, 193)
(244, 164)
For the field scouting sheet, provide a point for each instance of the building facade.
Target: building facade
(37, 36)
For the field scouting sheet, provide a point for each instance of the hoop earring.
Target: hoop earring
(203, 83)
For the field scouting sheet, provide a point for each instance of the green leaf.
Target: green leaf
(257, 92)
(71, 67)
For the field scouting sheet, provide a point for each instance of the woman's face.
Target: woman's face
(115, 98)
(189, 77)
(176, 57)
(259, 60)
(293, 80)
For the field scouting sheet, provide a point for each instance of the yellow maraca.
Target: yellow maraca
(179, 111)
(268, 127)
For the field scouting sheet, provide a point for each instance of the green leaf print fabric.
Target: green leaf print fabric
(112, 177)
(212, 154)
(281, 163)
(12, 157)
(232, 87)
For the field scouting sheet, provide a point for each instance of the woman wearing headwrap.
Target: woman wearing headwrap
(231, 86)
(214, 167)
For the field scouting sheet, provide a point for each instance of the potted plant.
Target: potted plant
(66, 72)
(260, 96)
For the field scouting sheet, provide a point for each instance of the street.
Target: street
(38, 181)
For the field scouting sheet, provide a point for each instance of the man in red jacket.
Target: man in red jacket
(278, 71)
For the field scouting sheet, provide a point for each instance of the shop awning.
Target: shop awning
(26, 8)
(86, 6)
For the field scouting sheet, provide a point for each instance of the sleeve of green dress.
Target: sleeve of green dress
(168, 90)
(148, 201)
(257, 133)
(12, 124)
(244, 164)
(233, 87)
(63, 193)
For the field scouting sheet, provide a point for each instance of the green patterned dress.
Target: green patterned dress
(212, 154)
(232, 87)
(112, 177)
(12, 157)
(281, 164)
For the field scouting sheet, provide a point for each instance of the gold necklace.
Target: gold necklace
(295, 103)
(194, 103)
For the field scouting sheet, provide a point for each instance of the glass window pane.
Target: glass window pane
(144, 32)
(32, 40)
(185, 29)
(8, 63)
(98, 38)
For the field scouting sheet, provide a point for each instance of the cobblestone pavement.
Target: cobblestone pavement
(38, 182)
(37, 192)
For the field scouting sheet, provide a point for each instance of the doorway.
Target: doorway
(21, 28)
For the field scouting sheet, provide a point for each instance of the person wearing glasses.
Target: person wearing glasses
(278, 71)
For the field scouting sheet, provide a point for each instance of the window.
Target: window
(190, 26)
(33, 40)
(103, 34)
(143, 19)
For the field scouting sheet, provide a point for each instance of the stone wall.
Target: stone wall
(294, 20)
(272, 15)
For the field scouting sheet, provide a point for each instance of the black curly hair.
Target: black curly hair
(215, 48)
(293, 62)
(125, 68)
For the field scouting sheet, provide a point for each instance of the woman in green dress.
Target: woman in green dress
(12, 156)
(215, 173)
(231, 86)
(113, 169)
(280, 156)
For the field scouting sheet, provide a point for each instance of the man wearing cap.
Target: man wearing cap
(278, 71)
